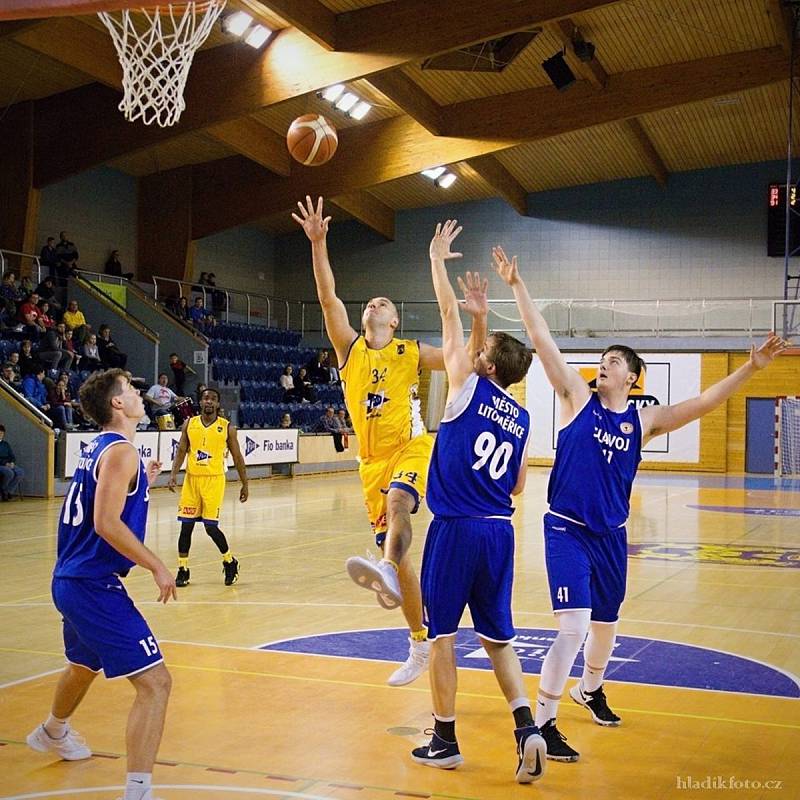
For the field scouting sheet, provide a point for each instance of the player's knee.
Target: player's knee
(574, 624)
(156, 683)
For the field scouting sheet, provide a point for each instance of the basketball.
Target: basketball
(312, 140)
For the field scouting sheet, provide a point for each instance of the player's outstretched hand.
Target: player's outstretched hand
(442, 239)
(506, 269)
(476, 301)
(311, 219)
(153, 470)
(171, 483)
(771, 347)
(243, 493)
(166, 584)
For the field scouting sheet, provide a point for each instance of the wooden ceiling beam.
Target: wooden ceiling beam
(370, 211)
(647, 150)
(15, 27)
(627, 94)
(414, 100)
(502, 181)
(229, 193)
(594, 72)
(230, 81)
(408, 28)
(782, 22)
(255, 141)
(308, 16)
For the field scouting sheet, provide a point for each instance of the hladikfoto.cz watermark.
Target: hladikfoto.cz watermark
(721, 782)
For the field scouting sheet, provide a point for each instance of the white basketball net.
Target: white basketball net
(156, 57)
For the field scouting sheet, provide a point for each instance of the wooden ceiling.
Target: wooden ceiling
(675, 85)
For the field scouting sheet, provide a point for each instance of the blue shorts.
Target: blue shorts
(468, 562)
(102, 627)
(585, 570)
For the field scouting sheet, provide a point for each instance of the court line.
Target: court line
(477, 695)
(181, 787)
(145, 574)
(30, 678)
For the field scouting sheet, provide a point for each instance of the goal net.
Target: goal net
(787, 436)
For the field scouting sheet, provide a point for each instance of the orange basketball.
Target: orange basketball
(312, 140)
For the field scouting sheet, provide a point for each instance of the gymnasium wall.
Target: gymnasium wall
(702, 236)
(98, 211)
(241, 257)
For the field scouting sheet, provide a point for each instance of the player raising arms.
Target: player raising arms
(206, 439)
(100, 537)
(380, 375)
(597, 454)
(479, 460)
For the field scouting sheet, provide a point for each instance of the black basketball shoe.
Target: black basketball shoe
(231, 570)
(182, 578)
(596, 703)
(557, 747)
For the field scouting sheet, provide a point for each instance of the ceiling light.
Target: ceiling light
(258, 36)
(237, 23)
(361, 110)
(433, 173)
(346, 102)
(332, 92)
(447, 180)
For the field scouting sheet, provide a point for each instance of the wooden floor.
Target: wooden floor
(322, 723)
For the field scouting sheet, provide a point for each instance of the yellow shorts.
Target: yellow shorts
(201, 497)
(405, 469)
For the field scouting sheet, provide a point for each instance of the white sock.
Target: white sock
(596, 653)
(572, 627)
(55, 728)
(546, 709)
(137, 786)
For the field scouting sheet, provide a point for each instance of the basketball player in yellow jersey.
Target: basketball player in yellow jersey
(206, 439)
(380, 375)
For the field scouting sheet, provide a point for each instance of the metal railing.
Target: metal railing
(567, 317)
(6, 255)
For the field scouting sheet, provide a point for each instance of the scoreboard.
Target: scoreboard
(776, 220)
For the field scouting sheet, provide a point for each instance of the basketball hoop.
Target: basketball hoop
(156, 47)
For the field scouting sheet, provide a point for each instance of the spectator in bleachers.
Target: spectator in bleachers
(67, 255)
(110, 355)
(201, 282)
(69, 344)
(52, 353)
(303, 387)
(200, 316)
(73, 318)
(45, 320)
(342, 421)
(218, 299)
(11, 377)
(182, 309)
(286, 420)
(48, 257)
(160, 397)
(319, 370)
(114, 267)
(179, 370)
(328, 422)
(35, 391)
(198, 395)
(47, 291)
(24, 289)
(28, 315)
(287, 382)
(10, 473)
(91, 354)
(61, 404)
(13, 363)
(9, 292)
(28, 362)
